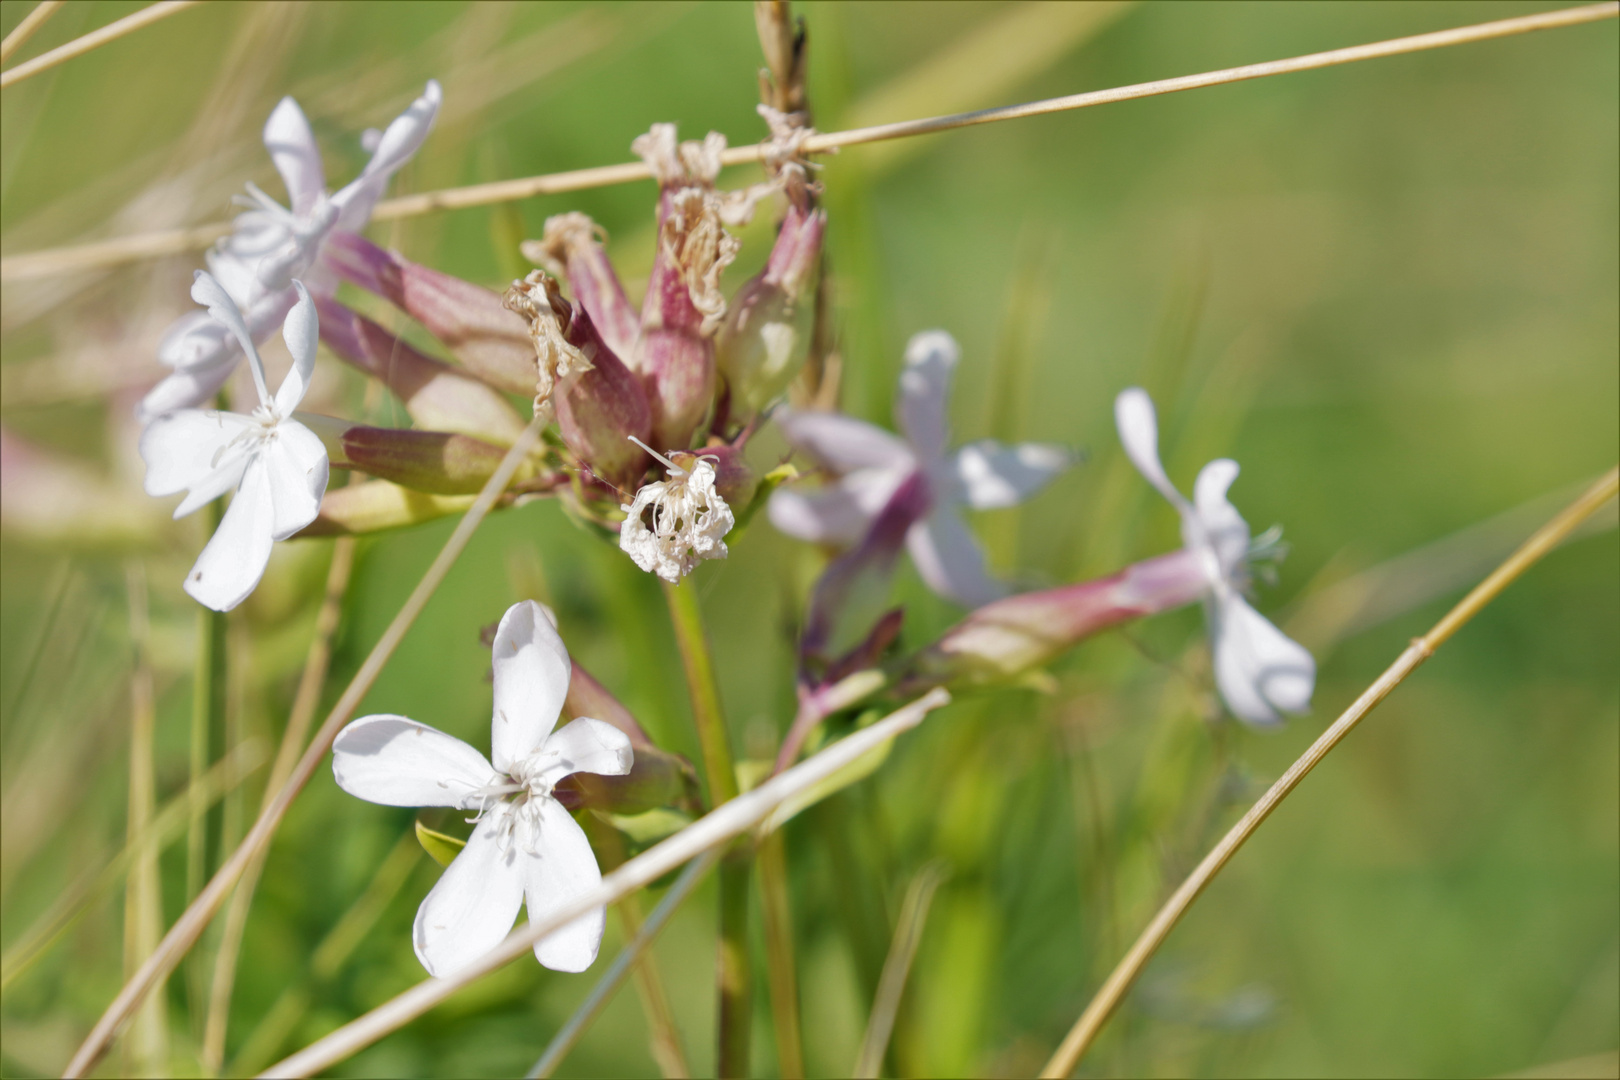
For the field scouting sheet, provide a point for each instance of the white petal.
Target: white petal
(566, 867)
(531, 681)
(297, 464)
(838, 513)
(302, 331)
(471, 908)
(292, 147)
(1139, 432)
(841, 442)
(403, 137)
(212, 295)
(185, 389)
(1259, 669)
(1223, 527)
(925, 388)
(195, 340)
(587, 745)
(233, 562)
(394, 761)
(949, 559)
(992, 476)
(179, 448)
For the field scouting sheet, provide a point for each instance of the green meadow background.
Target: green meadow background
(1387, 289)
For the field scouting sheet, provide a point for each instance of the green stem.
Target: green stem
(207, 717)
(779, 960)
(735, 1007)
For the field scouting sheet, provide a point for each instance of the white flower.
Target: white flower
(270, 244)
(672, 525)
(276, 466)
(873, 464)
(526, 845)
(1261, 672)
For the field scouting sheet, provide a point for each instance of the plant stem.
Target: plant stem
(779, 961)
(147, 1048)
(735, 1007)
(1102, 1006)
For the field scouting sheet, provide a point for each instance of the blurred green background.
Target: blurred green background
(1388, 289)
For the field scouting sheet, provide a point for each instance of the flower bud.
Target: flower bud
(378, 505)
(435, 394)
(472, 322)
(763, 341)
(570, 249)
(431, 461)
(656, 779)
(599, 403)
(1008, 638)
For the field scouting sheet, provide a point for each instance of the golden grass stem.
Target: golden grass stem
(1546, 538)
(122, 250)
(897, 968)
(25, 29)
(147, 1051)
(93, 40)
(569, 1034)
(305, 701)
(718, 827)
(189, 927)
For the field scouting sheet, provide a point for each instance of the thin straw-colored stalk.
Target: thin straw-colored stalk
(735, 1009)
(718, 827)
(147, 1050)
(197, 916)
(1113, 990)
(305, 701)
(25, 29)
(771, 859)
(569, 1034)
(94, 40)
(165, 826)
(902, 951)
(128, 249)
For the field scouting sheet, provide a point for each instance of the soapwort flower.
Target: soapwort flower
(873, 464)
(526, 847)
(672, 525)
(270, 244)
(1260, 671)
(276, 466)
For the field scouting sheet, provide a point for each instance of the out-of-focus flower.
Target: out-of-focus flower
(276, 466)
(761, 345)
(672, 525)
(526, 847)
(271, 244)
(1261, 672)
(872, 465)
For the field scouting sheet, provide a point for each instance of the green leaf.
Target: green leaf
(443, 848)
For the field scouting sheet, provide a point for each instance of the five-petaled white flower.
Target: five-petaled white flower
(1261, 672)
(526, 846)
(672, 525)
(276, 466)
(270, 244)
(873, 464)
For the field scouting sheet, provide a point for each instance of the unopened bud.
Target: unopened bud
(431, 461)
(378, 505)
(656, 779)
(479, 331)
(765, 337)
(571, 248)
(1011, 637)
(435, 394)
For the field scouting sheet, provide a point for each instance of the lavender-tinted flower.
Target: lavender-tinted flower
(761, 345)
(472, 322)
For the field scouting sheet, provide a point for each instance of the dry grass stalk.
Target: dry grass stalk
(25, 29)
(720, 826)
(897, 967)
(93, 40)
(175, 241)
(1546, 538)
(195, 919)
